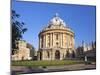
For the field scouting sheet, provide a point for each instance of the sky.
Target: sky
(80, 18)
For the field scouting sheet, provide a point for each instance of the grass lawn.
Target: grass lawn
(45, 63)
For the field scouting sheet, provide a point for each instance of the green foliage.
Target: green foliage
(17, 28)
(46, 63)
(80, 53)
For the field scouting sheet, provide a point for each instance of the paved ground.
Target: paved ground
(20, 69)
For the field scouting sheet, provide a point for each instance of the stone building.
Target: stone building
(22, 52)
(56, 41)
(87, 50)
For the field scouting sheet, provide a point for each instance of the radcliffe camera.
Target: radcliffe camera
(52, 37)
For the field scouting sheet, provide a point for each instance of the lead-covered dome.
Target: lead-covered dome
(56, 23)
(57, 20)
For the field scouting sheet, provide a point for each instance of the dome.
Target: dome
(57, 21)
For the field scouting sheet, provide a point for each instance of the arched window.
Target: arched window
(57, 44)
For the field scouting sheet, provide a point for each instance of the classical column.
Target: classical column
(66, 40)
(62, 39)
(70, 41)
(73, 42)
(52, 38)
(51, 54)
(40, 41)
(45, 40)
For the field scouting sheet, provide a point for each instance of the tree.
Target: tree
(80, 52)
(17, 29)
(73, 54)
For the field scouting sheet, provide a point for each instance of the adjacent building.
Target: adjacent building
(22, 52)
(87, 50)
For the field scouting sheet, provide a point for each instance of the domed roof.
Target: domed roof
(56, 20)
(56, 23)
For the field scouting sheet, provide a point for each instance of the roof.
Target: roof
(56, 23)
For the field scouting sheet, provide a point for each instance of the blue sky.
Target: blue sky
(80, 18)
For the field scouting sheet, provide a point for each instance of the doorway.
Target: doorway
(57, 54)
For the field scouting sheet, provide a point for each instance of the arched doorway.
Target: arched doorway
(67, 54)
(40, 55)
(57, 54)
(48, 54)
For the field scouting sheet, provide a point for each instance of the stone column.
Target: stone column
(60, 55)
(50, 40)
(62, 39)
(40, 41)
(45, 40)
(38, 55)
(73, 42)
(68, 42)
(51, 54)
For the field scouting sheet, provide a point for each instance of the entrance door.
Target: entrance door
(40, 55)
(57, 54)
